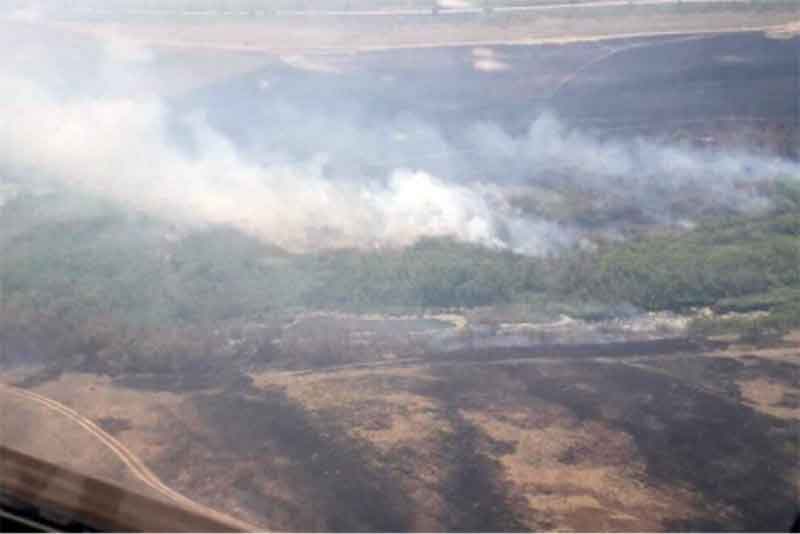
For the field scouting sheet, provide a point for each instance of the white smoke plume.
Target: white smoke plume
(99, 129)
(102, 141)
(120, 148)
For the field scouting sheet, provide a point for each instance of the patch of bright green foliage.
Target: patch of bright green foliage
(717, 262)
(100, 260)
(79, 256)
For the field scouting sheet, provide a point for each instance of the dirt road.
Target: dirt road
(126, 456)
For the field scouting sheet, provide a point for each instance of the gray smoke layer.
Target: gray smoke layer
(90, 121)
(664, 183)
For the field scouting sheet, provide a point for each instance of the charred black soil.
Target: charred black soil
(114, 425)
(337, 483)
(720, 375)
(733, 457)
(362, 446)
(478, 496)
(649, 82)
(615, 350)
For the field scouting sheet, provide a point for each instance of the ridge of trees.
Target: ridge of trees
(81, 257)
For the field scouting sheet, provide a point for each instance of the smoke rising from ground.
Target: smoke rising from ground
(306, 179)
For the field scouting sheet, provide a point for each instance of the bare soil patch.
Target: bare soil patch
(292, 35)
(692, 440)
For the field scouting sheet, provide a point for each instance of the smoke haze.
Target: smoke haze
(306, 179)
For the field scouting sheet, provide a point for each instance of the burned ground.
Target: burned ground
(476, 490)
(328, 429)
(688, 453)
(651, 84)
(274, 450)
(114, 425)
(736, 459)
(640, 441)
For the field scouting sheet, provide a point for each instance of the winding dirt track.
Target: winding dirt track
(131, 461)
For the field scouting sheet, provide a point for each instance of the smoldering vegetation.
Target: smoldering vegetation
(85, 118)
(199, 243)
(139, 233)
(243, 202)
(261, 194)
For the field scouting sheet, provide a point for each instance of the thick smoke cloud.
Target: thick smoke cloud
(90, 120)
(121, 148)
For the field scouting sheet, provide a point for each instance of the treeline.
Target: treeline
(73, 256)
(433, 273)
(80, 256)
(718, 262)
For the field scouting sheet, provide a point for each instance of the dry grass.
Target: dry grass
(373, 407)
(30, 427)
(415, 420)
(95, 397)
(787, 352)
(378, 409)
(154, 421)
(766, 396)
(581, 475)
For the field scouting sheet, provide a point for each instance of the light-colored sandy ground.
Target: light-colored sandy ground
(295, 36)
(63, 422)
(96, 398)
(767, 396)
(32, 428)
(763, 394)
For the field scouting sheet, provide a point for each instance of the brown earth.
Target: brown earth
(672, 441)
